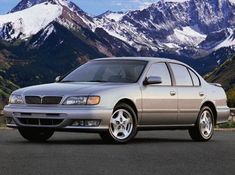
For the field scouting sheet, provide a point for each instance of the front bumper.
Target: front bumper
(57, 117)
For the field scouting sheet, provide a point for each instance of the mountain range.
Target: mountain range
(40, 39)
(225, 75)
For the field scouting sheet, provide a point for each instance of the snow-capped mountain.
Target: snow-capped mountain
(49, 34)
(25, 23)
(175, 26)
(24, 4)
(43, 39)
(31, 16)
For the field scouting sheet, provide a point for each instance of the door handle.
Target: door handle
(201, 94)
(172, 93)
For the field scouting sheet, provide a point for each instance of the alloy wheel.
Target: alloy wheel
(205, 124)
(121, 124)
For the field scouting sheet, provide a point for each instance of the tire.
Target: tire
(36, 134)
(122, 126)
(204, 128)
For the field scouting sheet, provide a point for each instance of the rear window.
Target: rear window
(196, 81)
(181, 74)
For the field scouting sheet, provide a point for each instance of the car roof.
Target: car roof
(149, 59)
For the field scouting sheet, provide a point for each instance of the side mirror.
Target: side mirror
(152, 80)
(58, 78)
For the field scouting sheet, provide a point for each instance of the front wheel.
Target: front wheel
(204, 128)
(36, 134)
(122, 126)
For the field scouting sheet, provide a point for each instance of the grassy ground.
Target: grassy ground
(2, 120)
(230, 124)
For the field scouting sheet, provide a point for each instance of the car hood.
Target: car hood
(62, 89)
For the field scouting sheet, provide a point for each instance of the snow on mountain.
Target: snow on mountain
(188, 28)
(116, 16)
(30, 16)
(228, 42)
(45, 34)
(28, 22)
(24, 4)
(187, 35)
(173, 24)
(66, 4)
(179, 1)
(232, 1)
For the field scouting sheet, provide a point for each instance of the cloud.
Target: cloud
(119, 4)
(143, 3)
(132, 4)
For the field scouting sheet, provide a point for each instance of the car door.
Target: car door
(190, 93)
(159, 101)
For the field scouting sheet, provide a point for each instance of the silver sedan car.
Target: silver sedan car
(116, 97)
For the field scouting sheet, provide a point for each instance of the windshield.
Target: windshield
(118, 71)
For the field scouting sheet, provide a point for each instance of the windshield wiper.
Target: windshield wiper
(69, 81)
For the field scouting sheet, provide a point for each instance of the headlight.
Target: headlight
(82, 100)
(16, 99)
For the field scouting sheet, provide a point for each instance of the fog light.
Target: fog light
(75, 123)
(78, 123)
(88, 123)
(9, 120)
(92, 122)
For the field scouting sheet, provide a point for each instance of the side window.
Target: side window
(181, 74)
(161, 70)
(195, 78)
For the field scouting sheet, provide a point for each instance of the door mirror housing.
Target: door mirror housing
(58, 78)
(152, 80)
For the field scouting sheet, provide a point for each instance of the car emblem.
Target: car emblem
(41, 99)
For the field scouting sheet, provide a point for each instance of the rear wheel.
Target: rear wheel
(204, 128)
(122, 126)
(36, 134)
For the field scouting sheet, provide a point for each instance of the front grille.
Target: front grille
(40, 122)
(39, 115)
(33, 100)
(51, 100)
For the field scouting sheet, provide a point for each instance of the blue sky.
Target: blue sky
(93, 7)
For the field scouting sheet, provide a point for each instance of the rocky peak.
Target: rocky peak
(24, 4)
